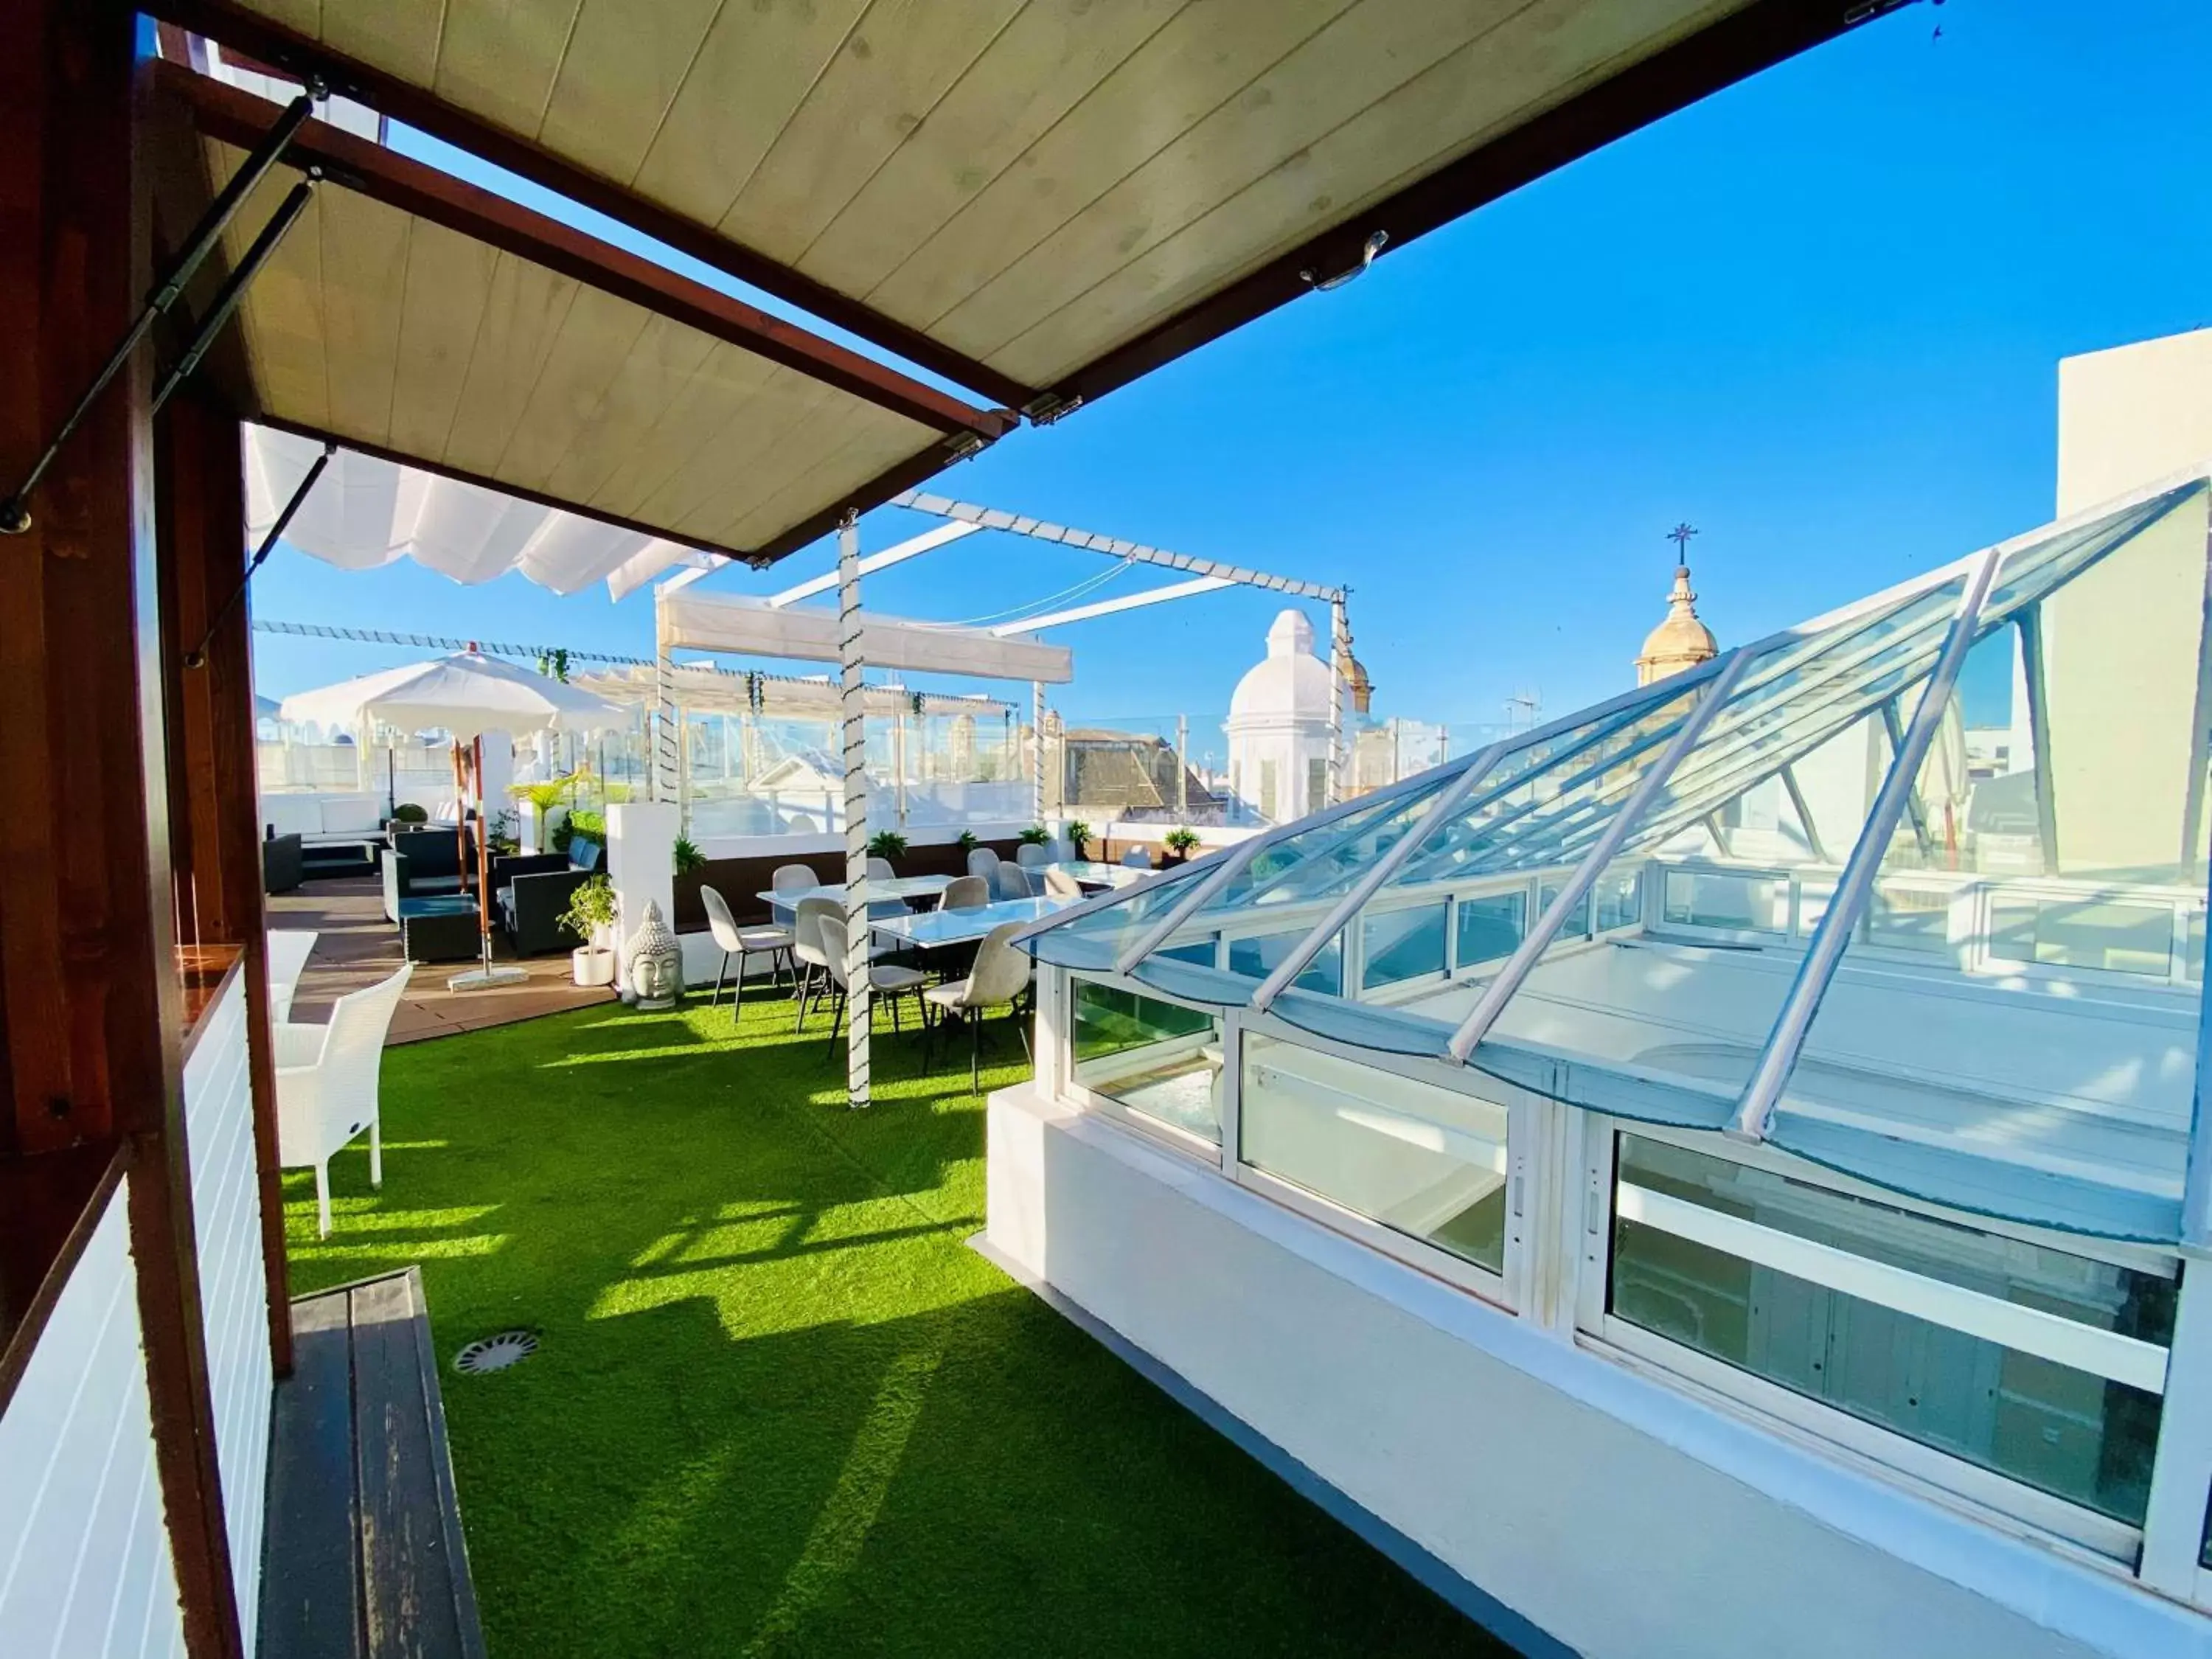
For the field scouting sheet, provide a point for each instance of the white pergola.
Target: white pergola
(776, 627)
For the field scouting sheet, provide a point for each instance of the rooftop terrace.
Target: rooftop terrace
(779, 1405)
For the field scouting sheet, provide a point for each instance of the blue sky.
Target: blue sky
(1818, 316)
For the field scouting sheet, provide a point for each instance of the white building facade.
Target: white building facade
(1278, 730)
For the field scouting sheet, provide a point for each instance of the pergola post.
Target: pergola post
(853, 701)
(1036, 751)
(1340, 659)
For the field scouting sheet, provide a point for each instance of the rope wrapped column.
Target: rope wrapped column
(853, 703)
(1339, 666)
(1036, 751)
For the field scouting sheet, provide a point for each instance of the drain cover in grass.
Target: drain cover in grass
(495, 1353)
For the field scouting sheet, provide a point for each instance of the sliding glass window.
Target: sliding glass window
(2041, 1364)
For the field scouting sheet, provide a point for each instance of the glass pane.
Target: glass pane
(1576, 925)
(2115, 937)
(1910, 916)
(1490, 927)
(1402, 945)
(2056, 819)
(1620, 896)
(1156, 1058)
(1423, 1161)
(1204, 951)
(2066, 1431)
(1256, 958)
(1726, 899)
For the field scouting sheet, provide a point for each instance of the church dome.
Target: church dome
(1291, 683)
(1682, 640)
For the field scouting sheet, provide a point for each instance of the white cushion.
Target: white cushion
(350, 814)
(293, 815)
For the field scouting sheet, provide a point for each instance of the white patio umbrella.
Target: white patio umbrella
(467, 694)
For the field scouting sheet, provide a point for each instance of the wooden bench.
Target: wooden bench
(364, 1554)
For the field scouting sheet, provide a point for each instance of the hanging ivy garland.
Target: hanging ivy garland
(753, 689)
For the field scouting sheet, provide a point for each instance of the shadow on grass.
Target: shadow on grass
(778, 1406)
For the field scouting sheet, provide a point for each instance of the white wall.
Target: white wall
(234, 1292)
(1619, 1515)
(84, 1556)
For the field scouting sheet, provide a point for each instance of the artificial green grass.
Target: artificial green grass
(779, 1406)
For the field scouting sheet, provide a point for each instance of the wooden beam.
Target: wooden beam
(1763, 34)
(200, 482)
(288, 50)
(89, 997)
(233, 117)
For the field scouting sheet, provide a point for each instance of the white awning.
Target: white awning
(364, 511)
(752, 628)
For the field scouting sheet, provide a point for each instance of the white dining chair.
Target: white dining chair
(1032, 855)
(326, 1084)
(887, 983)
(742, 942)
(793, 878)
(1014, 882)
(1136, 859)
(982, 861)
(970, 892)
(880, 869)
(812, 947)
(998, 979)
(1058, 883)
(288, 951)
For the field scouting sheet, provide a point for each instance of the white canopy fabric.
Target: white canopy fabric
(364, 512)
(467, 694)
(750, 627)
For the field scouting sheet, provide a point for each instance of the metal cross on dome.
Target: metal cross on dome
(1680, 535)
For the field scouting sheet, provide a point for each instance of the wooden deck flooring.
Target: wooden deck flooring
(365, 1558)
(356, 946)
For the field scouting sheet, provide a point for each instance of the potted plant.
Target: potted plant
(688, 858)
(966, 841)
(1079, 835)
(591, 917)
(1036, 836)
(409, 813)
(887, 844)
(1179, 841)
(541, 800)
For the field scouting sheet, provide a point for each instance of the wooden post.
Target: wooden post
(90, 1002)
(215, 813)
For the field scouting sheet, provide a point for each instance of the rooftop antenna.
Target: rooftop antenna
(1523, 708)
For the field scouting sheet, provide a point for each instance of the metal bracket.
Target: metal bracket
(15, 510)
(197, 657)
(1374, 245)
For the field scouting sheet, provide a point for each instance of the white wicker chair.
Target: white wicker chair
(288, 951)
(326, 1084)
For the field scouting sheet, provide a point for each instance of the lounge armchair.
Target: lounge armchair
(326, 1084)
(283, 865)
(533, 894)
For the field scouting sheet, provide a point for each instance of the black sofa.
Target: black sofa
(282, 867)
(533, 892)
(423, 864)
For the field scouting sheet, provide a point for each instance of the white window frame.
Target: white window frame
(1507, 1292)
(1988, 1492)
(1072, 1092)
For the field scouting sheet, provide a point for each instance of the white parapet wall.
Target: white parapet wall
(1580, 1506)
(85, 1568)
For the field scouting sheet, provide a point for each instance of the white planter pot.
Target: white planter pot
(593, 966)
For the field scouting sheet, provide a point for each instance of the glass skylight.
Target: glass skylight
(1915, 891)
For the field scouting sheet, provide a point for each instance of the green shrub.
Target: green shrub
(1180, 840)
(408, 812)
(688, 856)
(1078, 835)
(1036, 836)
(887, 844)
(591, 908)
(966, 841)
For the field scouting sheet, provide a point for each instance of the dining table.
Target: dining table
(902, 888)
(931, 930)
